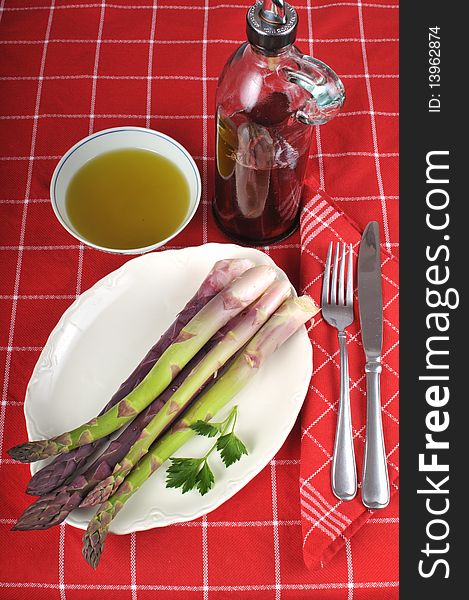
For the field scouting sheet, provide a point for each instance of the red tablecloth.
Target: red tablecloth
(70, 67)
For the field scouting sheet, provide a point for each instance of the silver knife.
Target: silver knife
(375, 481)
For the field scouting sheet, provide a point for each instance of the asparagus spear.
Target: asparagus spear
(64, 466)
(224, 306)
(52, 508)
(241, 332)
(287, 319)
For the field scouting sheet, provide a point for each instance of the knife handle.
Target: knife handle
(375, 481)
(344, 472)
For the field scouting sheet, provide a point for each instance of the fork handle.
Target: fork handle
(344, 473)
(375, 483)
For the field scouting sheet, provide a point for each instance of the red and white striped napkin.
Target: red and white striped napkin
(327, 522)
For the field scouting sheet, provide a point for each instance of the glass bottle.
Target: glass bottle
(268, 98)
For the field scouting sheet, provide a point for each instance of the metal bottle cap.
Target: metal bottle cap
(271, 24)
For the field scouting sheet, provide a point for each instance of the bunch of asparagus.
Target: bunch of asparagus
(239, 316)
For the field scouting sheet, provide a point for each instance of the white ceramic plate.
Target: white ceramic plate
(103, 335)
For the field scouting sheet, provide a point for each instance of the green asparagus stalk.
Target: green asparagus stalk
(284, 322)
(242, 331)
(224, 306)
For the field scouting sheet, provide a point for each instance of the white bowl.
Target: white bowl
(118, 138)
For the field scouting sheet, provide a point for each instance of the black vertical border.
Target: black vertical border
(420, 133)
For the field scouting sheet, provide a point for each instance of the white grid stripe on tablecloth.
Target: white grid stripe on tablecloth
(188, 7)
(38, 297)
(107, 77)
(348, 554)
(194, 41)
(211, 158)
(151, 47)
(98, 42)
(383, 520)
(206, 587)
(167, 117)
(18, 201)
(221, 524)
(204, 127)
(63, 595)
(276, 541)
(79, 269)
(133, 565)
(370, 76)
(58, 247)
(360, 198)
(169, 77)
(169, 247)
(344, 585)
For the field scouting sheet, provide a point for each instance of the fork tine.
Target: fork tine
(325, 281)
(350, 277)
(341, 301)
(334, 275)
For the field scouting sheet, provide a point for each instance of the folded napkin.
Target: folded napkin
(327, 522)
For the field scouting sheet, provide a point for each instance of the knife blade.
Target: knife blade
(370, 299)
(375, 480)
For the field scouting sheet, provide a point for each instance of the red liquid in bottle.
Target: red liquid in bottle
(261, 157)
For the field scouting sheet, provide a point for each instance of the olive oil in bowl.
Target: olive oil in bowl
(127, 199)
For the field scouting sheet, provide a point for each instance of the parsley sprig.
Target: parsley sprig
(190, 473)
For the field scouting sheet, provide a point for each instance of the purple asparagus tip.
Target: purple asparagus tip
(39, 516)
(93, 544)
(29, 452)
(38, 486)
(63, 467)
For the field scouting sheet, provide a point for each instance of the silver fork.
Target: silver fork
(337, 310)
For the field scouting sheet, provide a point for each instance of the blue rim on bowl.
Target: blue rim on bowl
(113, 139)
